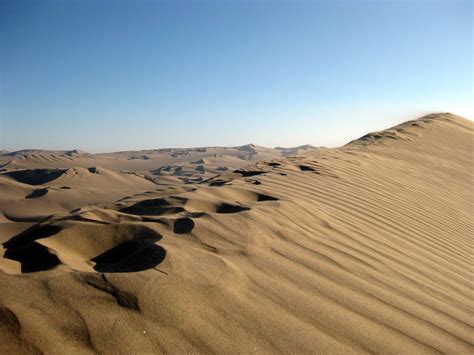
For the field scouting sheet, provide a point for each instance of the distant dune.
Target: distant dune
(365, 248)
(144, 160)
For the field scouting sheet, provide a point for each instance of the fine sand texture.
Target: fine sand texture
(366, 248)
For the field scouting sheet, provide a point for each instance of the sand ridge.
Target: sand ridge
(363, 248)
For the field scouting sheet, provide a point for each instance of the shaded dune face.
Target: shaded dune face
(37, 193)
(127, 249)
(36, 176)
(262, 197)
(130, 256)
(31, 235)
(32, 255)
(228, 208)
(183, 225)
(155, 207)
(247, 173)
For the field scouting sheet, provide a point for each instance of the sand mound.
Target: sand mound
(199, 202)
(101, 178)
(249, 148)
(86, 246)
(33, 195)
(360, 249)
(79, 177)
(155, 207)
(302, 149)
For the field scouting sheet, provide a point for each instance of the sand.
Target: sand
(365, 248)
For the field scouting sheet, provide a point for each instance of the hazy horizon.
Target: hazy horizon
(6, 151)
(106, 76)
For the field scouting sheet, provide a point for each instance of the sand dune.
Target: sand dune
(141, 161)
(360, 249)
(32, 195)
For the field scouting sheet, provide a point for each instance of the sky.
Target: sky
(103, 75)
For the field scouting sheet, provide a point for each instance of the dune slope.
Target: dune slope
(364, 248)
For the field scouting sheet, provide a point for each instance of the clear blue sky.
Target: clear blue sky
(105, 75)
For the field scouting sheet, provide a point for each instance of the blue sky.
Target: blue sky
(103, 75)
